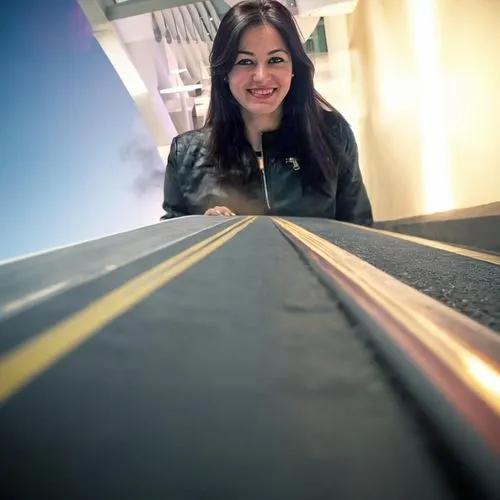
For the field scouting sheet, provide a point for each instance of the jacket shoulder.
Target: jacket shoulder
(189, 151)
(192, 139)
(338, 125)
(341, 132)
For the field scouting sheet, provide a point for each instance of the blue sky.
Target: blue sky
(65, 121)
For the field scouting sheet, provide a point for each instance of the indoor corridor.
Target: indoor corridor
(267, 357)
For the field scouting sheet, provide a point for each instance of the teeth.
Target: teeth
(262, 92)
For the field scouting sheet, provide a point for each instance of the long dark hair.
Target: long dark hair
(303, 108)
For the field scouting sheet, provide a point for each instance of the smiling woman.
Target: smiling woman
(261, 79)
(271, 144)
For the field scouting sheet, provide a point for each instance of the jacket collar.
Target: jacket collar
(278, 141)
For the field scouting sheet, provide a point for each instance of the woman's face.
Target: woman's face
(262, 73)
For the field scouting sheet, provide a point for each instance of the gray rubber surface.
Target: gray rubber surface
(467, 285)
(33, 318)
(240, 379)
(62, 269)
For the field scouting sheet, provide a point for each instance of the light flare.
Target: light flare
(432, 130)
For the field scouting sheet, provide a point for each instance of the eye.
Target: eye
(276, 60)
(244, 62)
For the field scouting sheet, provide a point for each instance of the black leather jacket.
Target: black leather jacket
(191, 185)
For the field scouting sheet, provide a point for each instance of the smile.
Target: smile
(262, 93)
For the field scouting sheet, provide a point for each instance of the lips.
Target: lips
(262, 93)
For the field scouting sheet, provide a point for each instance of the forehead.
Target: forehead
(261, 38)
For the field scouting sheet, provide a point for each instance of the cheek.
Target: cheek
(237, 81)
(285, 78)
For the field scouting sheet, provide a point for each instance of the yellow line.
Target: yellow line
(24, 363)
(464, 252)
(408, 307)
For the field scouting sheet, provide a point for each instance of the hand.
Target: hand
(220, 211)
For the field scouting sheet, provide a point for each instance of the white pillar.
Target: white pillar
(337, 39)
(307, 24)
(137, 35)
(342, 93)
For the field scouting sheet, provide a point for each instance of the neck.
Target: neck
(256, 124)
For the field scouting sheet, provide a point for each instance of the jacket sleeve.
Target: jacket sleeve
(174, 202)
(352, 203)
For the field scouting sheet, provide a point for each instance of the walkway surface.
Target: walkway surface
(170, 368)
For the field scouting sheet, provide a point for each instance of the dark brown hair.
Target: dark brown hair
(303, 108)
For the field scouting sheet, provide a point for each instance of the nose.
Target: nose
(261, 73)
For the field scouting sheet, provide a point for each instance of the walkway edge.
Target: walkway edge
(490, 258)
(447, 362)
(25, 362)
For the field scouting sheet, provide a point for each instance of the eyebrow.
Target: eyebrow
(248, 53)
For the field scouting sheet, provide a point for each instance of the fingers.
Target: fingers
(224, 211)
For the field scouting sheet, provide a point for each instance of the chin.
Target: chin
(262, 110)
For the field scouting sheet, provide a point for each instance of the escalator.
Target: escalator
(210, 362)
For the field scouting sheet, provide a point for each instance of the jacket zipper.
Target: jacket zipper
(260, 159)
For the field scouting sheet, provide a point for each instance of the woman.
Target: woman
(271, 144)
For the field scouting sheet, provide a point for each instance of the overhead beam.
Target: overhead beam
(221, 6)
(106, 35)
(136, 7)
(325, 7)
